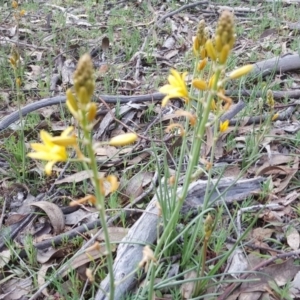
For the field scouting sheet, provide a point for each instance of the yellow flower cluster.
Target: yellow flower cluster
(21, 13)
(54, 149)
(225, 36)
(80, 105)
(217, 49)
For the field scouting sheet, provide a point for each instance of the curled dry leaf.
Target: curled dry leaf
(105, 43)
(54, 214)
(293, 238)
(87, 257)
(187, 288)
(43, 257)
(41, 277)
(4, 258)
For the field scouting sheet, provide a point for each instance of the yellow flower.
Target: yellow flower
(224, 125)
(51, 149)
(14, 4)
(240, 72)
(176, 87)
(123, 139)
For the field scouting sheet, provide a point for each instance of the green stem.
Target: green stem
(21, 122)
(193, 162)
(100, 205)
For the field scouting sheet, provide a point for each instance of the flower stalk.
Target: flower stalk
(210, 95)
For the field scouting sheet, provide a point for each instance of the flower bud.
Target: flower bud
(123, 139)
(211, 51)
(199, 84)
(240, 72)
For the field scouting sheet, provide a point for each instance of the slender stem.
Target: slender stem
(100, 204)
(193, 162)
(21, 120)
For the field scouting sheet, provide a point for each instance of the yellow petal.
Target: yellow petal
(224, 125)
(165, 101)
(175, 74)
(46, 156)
(114, 184)
(46, 138)
(123, 139)
(166, 89)
(49, 166)
(64, 141)
(71, 109)
(240, 72)
(39, 147)
(67, 131)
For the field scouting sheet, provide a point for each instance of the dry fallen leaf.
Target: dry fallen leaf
(78, 177)
(293, 238)
(17, 288)
(41, 277)
(187, 289)
(86, 257)
(45, 256)
(4, 258)
(54, 214)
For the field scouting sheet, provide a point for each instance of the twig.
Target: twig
(184, 7)
(3, 212)
(253, 246)
(284, 115)
(253, 208)
(127, 127)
